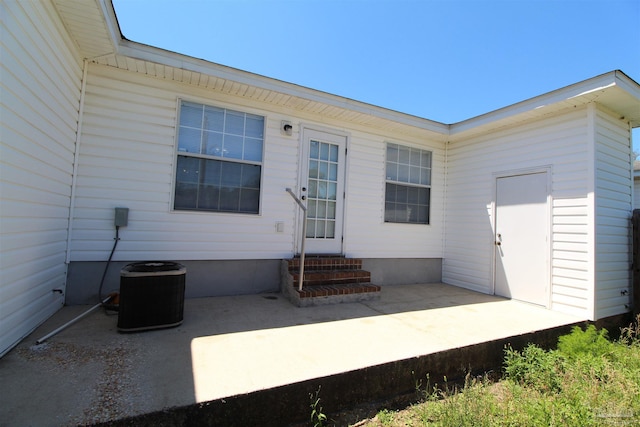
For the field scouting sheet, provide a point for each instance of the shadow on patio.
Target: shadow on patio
(261, 349)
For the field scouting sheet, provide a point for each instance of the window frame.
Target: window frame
(407, 184)
(221, 159)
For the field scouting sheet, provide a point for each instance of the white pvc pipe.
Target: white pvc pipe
(76, 160)
(72, 321)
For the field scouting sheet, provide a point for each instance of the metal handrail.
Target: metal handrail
(304, 235)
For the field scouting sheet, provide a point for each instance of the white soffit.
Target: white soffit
(170, 65)
(92, 25)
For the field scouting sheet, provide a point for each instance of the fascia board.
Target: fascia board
(172, 59)
(576, 90)
(627, 84)
(111, 19)
(631, 89)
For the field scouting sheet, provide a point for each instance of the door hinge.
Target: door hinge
(345, 151)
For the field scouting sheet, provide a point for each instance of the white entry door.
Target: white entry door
(521, 240)
(323, 189)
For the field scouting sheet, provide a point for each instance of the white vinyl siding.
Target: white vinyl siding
(560, 143)
(128, 159)
(571, 273)
(133, 114)
(613, 213)
(41, 78)
(366, 233)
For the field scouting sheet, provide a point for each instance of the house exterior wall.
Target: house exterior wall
(366, 233)
(559, 143)
(614, 183)
(127, 159)
(41, 79)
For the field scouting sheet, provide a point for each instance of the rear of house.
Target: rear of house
(202, 155)
(203, 172)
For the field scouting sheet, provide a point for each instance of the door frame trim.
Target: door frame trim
(304, 127)
(548, 169)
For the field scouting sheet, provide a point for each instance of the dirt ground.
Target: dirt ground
(362, 414)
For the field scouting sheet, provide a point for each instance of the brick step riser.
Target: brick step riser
(329, 283)
(311, 280)
(328, 291)
(326, 264)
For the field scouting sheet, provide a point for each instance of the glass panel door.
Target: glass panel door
(325, 191)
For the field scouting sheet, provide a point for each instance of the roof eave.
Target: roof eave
(579, 93)
(113, 26)
(181, 61)
(622, 93)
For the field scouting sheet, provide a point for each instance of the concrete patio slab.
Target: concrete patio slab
(230, 346)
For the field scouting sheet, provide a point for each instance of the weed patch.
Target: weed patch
(589, 380)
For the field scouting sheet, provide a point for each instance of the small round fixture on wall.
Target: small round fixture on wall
(286, 128)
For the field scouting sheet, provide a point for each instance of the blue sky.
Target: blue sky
(441, 60)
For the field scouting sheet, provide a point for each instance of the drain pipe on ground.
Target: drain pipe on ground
(74, 320)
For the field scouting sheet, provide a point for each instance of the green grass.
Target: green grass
(588, 380)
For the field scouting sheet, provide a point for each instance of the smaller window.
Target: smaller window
(408, 185)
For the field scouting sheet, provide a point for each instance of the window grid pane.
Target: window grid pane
(408, 187)
(406, 204)
(214, 125)
(322, 193)
(226, 184)
(216, 185)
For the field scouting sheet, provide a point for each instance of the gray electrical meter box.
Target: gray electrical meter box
(122, 217)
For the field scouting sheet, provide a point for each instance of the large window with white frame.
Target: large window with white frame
(219, 159)
(408, 184)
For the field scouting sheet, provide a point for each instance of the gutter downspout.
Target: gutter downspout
(445, 201)
(592, 206)
(76, 160)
